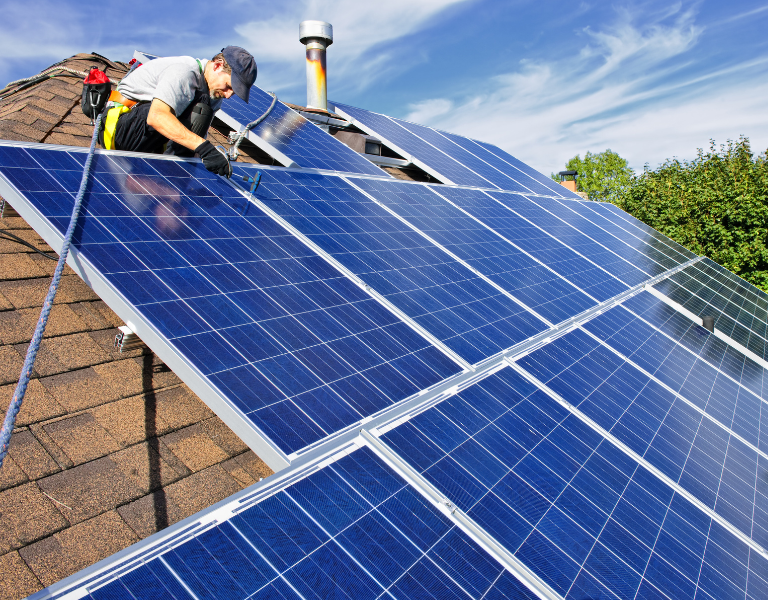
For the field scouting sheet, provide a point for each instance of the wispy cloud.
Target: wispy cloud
(637, 87)
(364, 33)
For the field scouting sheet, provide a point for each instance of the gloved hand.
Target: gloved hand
(214, 160)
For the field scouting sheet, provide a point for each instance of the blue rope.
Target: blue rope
(29, 361)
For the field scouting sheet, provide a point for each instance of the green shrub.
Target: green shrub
(715, 205)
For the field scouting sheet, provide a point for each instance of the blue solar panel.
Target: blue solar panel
(580, 513)
(647, 254)
(518, 273)
(437, 162)
(353, 529)
(554, 188)
(594, 279)
(736, 283)
(635, 269)
(298, 350)
(526, 180)
(703, 456)
(454, 159)
(296, 137)
(626, 222)
(447, 299)
(660, 317)
(705, 292)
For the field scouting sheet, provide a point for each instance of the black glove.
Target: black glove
(214, 160)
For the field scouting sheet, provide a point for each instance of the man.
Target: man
(167, 105)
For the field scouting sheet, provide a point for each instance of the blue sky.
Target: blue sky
(544, 80)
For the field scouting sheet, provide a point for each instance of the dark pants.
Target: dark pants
(133, 134)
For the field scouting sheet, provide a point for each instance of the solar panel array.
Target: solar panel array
(468, 391)
(452, 158)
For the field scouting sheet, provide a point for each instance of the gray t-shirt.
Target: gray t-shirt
(174, 80)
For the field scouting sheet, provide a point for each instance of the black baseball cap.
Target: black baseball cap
(243, 70)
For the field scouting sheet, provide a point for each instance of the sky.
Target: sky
(543, 80)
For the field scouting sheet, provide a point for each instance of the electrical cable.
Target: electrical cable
(29, 361)
(7, 235)
(237, 138)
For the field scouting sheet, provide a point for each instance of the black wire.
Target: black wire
(7, 235)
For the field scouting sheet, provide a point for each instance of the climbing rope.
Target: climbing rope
(29, 361)
(237, 138)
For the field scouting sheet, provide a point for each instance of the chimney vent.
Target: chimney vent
(317, 36)
(568, 179)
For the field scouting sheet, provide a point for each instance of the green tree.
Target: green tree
(604, 176)
(715, 205)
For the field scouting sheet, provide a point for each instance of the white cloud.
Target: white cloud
(363, 35)
(636, 88)
(428, 110)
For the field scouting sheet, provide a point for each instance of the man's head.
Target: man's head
(233, 70)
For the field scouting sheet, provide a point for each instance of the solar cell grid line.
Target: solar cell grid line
(438, 164)
(352, 528)
(541, 290)
(605, 219)
(459, 308)
(758, 296)
(661, 317)
(635, 250)
(619, 444)
(282, 346)
(458, 152)
(294, 138)
(706, 390)
(594, 280)
(555, 189)
(525, 183)
(736, 289)
(631, 266)
(572, 507)
(673, 365)
(631, 224)
(687, 289)
(701, 455)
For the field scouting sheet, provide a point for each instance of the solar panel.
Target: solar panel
(739, 313)
(482, 247)
(626, 222)
(686, 431)
(393, 347)
(290, 138)
(449, 301)
(352, 528)
(568, 503)
(597, 280)
(659, 317)
(450, 159)
(286, 347)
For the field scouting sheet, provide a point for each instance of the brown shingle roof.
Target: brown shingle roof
(109, 447)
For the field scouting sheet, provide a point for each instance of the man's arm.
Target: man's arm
(164, 121)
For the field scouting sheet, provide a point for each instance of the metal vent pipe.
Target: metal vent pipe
(317, 36)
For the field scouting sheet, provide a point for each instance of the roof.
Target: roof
(109, 447)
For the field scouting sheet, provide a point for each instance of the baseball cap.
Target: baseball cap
(243, 70)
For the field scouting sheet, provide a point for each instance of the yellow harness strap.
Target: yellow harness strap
(110, 124)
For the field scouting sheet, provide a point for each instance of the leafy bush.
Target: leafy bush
(604, 176)
(715, 205)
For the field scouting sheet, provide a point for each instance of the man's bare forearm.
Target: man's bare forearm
(162, 119)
